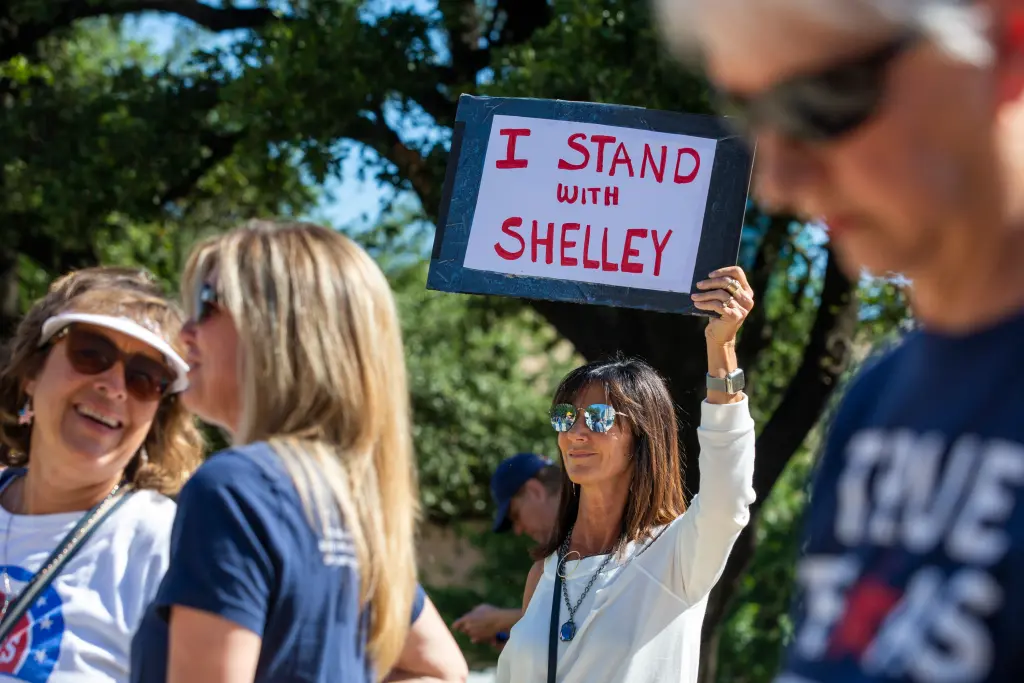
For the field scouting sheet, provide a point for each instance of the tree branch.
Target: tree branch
(421, 171)
(462, 22)
(824, 360)
(756, 330)
(591, 329)
(515, 22)
(413, 164)
(800, 291)
(22, 38)
(435, 102)
(220, 148)
(214, 19)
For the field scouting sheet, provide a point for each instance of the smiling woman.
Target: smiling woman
(93, 437)
(620, 589)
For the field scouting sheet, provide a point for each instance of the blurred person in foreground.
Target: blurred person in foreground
(900, 125)
(621, 586)
(525, 489)
(292, 555)
(91, 421)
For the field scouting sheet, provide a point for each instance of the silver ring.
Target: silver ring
(727, 302)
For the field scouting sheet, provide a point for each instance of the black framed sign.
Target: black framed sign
(588, 203)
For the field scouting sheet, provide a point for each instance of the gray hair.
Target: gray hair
(958, 26)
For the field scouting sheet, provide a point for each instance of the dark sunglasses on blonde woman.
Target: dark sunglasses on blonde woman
(598, 417)
(205, 304)
(92, 353)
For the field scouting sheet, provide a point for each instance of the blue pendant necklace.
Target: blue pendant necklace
(568, 630)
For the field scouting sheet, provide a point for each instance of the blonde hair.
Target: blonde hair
(324, 383)
(173, 445)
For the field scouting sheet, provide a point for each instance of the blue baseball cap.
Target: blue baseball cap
(508, 478)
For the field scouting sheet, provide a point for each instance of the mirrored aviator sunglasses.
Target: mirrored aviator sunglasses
(820, 106)
(598, 417)
(92, 353)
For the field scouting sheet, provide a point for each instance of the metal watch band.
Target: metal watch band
(732, 383)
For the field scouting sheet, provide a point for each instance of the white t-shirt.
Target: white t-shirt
(81, 627)
(641, 620)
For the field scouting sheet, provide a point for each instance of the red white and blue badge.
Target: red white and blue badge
(30, 652)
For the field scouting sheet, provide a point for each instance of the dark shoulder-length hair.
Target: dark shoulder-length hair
(644, 406)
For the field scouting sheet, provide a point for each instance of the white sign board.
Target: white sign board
(591, 203)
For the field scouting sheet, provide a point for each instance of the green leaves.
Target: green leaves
(481, 387)
(599, 51)
(758, 625)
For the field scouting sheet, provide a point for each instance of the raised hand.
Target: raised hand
(726, 292)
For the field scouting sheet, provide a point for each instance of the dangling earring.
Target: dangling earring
(143, 457)
(26, 413)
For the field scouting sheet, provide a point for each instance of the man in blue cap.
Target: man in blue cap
(525, 489)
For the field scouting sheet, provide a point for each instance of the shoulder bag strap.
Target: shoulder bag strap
(556, 608)
(67, 549)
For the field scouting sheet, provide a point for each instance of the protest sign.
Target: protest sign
(588, 203)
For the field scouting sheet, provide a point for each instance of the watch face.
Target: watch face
(736, 381)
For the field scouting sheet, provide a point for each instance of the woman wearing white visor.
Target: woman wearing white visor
(94, 437)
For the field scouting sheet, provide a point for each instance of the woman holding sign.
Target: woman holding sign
(620, 590)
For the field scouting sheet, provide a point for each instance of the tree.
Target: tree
(89, 154)
(101, 149)
(481, 381)
(480, 377)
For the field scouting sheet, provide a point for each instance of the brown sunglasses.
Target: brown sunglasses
(92, 353)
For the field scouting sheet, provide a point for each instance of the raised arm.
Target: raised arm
(727, 295)
(717, 514)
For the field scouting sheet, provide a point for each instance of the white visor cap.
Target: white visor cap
(126, 326)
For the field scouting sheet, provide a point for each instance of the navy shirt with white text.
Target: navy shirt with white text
(242, 548)
(913, 563)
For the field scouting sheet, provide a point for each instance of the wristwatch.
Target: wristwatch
(732, 383)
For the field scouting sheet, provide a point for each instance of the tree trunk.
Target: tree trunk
(825, 358)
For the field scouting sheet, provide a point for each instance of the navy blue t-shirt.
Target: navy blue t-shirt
(242, 548)
(913, 564)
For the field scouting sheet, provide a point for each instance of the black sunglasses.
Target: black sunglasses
(205, 304)
(821, 106)
(92, 353)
